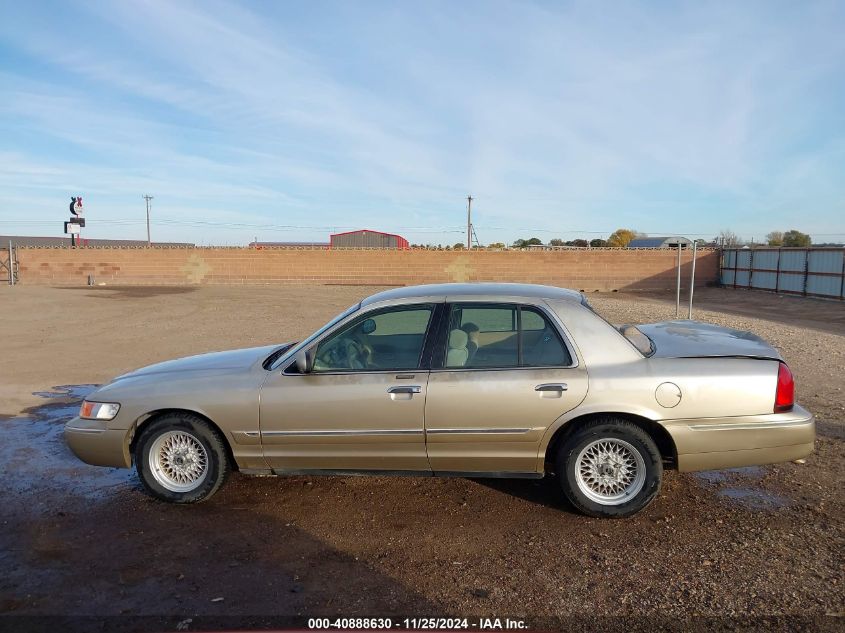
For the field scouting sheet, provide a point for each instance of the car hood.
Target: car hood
(231, 359)
(689, 339)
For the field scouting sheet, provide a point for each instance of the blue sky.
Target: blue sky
(286, 120)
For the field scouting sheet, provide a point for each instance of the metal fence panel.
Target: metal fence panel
(793, 260)
(765, 280)
(818, 272)
(825, 261)
(767, 260)
(791, 282)
(824, 285)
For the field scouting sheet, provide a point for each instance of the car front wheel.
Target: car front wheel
(609, 468)
(180, 458)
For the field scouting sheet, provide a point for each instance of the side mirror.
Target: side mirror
(304, 361)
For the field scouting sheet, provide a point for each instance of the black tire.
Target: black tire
(626, 437)
(193, 428)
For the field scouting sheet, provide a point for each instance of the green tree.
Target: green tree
(556, 242)
(621, 237)
(775, 238)
(580, 242)
(796, 238)
(532, 241)
(598, 243)
(496, 245)
(459, 246)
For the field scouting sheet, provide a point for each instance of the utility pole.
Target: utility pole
(469, 223)
(148, 197)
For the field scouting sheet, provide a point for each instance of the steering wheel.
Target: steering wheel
(347, 353)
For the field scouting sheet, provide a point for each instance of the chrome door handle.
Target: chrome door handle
(405, 389)
(551, 386)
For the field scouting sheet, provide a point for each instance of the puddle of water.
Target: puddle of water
(754, 498)
(722, 476)
(737, 485)
(74, 393)
(35, 459)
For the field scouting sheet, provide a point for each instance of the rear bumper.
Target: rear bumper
(714, 443)
(94, 443)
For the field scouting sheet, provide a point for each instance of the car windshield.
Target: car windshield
(340, 317)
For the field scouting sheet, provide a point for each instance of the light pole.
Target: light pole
(148, 197)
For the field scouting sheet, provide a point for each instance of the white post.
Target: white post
(692, 279)
(678, 291)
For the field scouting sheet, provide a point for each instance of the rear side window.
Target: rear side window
(638, 339)
(500, 336)
(541, 344)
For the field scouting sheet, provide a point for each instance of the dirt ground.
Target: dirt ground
(83, 547)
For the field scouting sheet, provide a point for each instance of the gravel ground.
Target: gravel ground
(753, 548)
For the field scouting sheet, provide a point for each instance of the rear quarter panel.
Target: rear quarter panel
(713, 387)
(622, 381)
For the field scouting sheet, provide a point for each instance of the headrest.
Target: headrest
(457, 339)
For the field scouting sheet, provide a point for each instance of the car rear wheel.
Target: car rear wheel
(180, 458)
(609, 468)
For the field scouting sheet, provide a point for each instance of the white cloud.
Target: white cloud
(575, 116)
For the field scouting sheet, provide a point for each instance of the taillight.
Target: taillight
(785, 394)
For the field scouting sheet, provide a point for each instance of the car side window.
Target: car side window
(500, 336)
(541, 344)
(390, 339)
(482, 336)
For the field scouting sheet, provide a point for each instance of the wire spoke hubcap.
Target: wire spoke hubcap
(178, 461)
(610, 471)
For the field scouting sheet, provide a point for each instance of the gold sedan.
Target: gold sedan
(470, 380)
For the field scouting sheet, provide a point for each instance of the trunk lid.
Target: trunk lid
(693, 339)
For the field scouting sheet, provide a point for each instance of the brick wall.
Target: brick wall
(595, 269)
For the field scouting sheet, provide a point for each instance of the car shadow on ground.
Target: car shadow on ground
(131, 292)
(544, 492)
(87, 543)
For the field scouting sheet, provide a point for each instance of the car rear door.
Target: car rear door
(488, 407)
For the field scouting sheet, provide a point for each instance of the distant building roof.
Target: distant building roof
(28, 240)
(286, 244)
(659, 242)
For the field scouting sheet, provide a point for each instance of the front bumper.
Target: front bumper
(715, 443)
(94, 443)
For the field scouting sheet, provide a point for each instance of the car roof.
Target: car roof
(475, 289)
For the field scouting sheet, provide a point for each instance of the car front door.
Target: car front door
(362, 406)
(503, 375)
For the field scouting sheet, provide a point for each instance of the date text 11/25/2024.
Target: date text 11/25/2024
(419, 624)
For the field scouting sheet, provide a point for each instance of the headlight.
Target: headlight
(98, 410)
